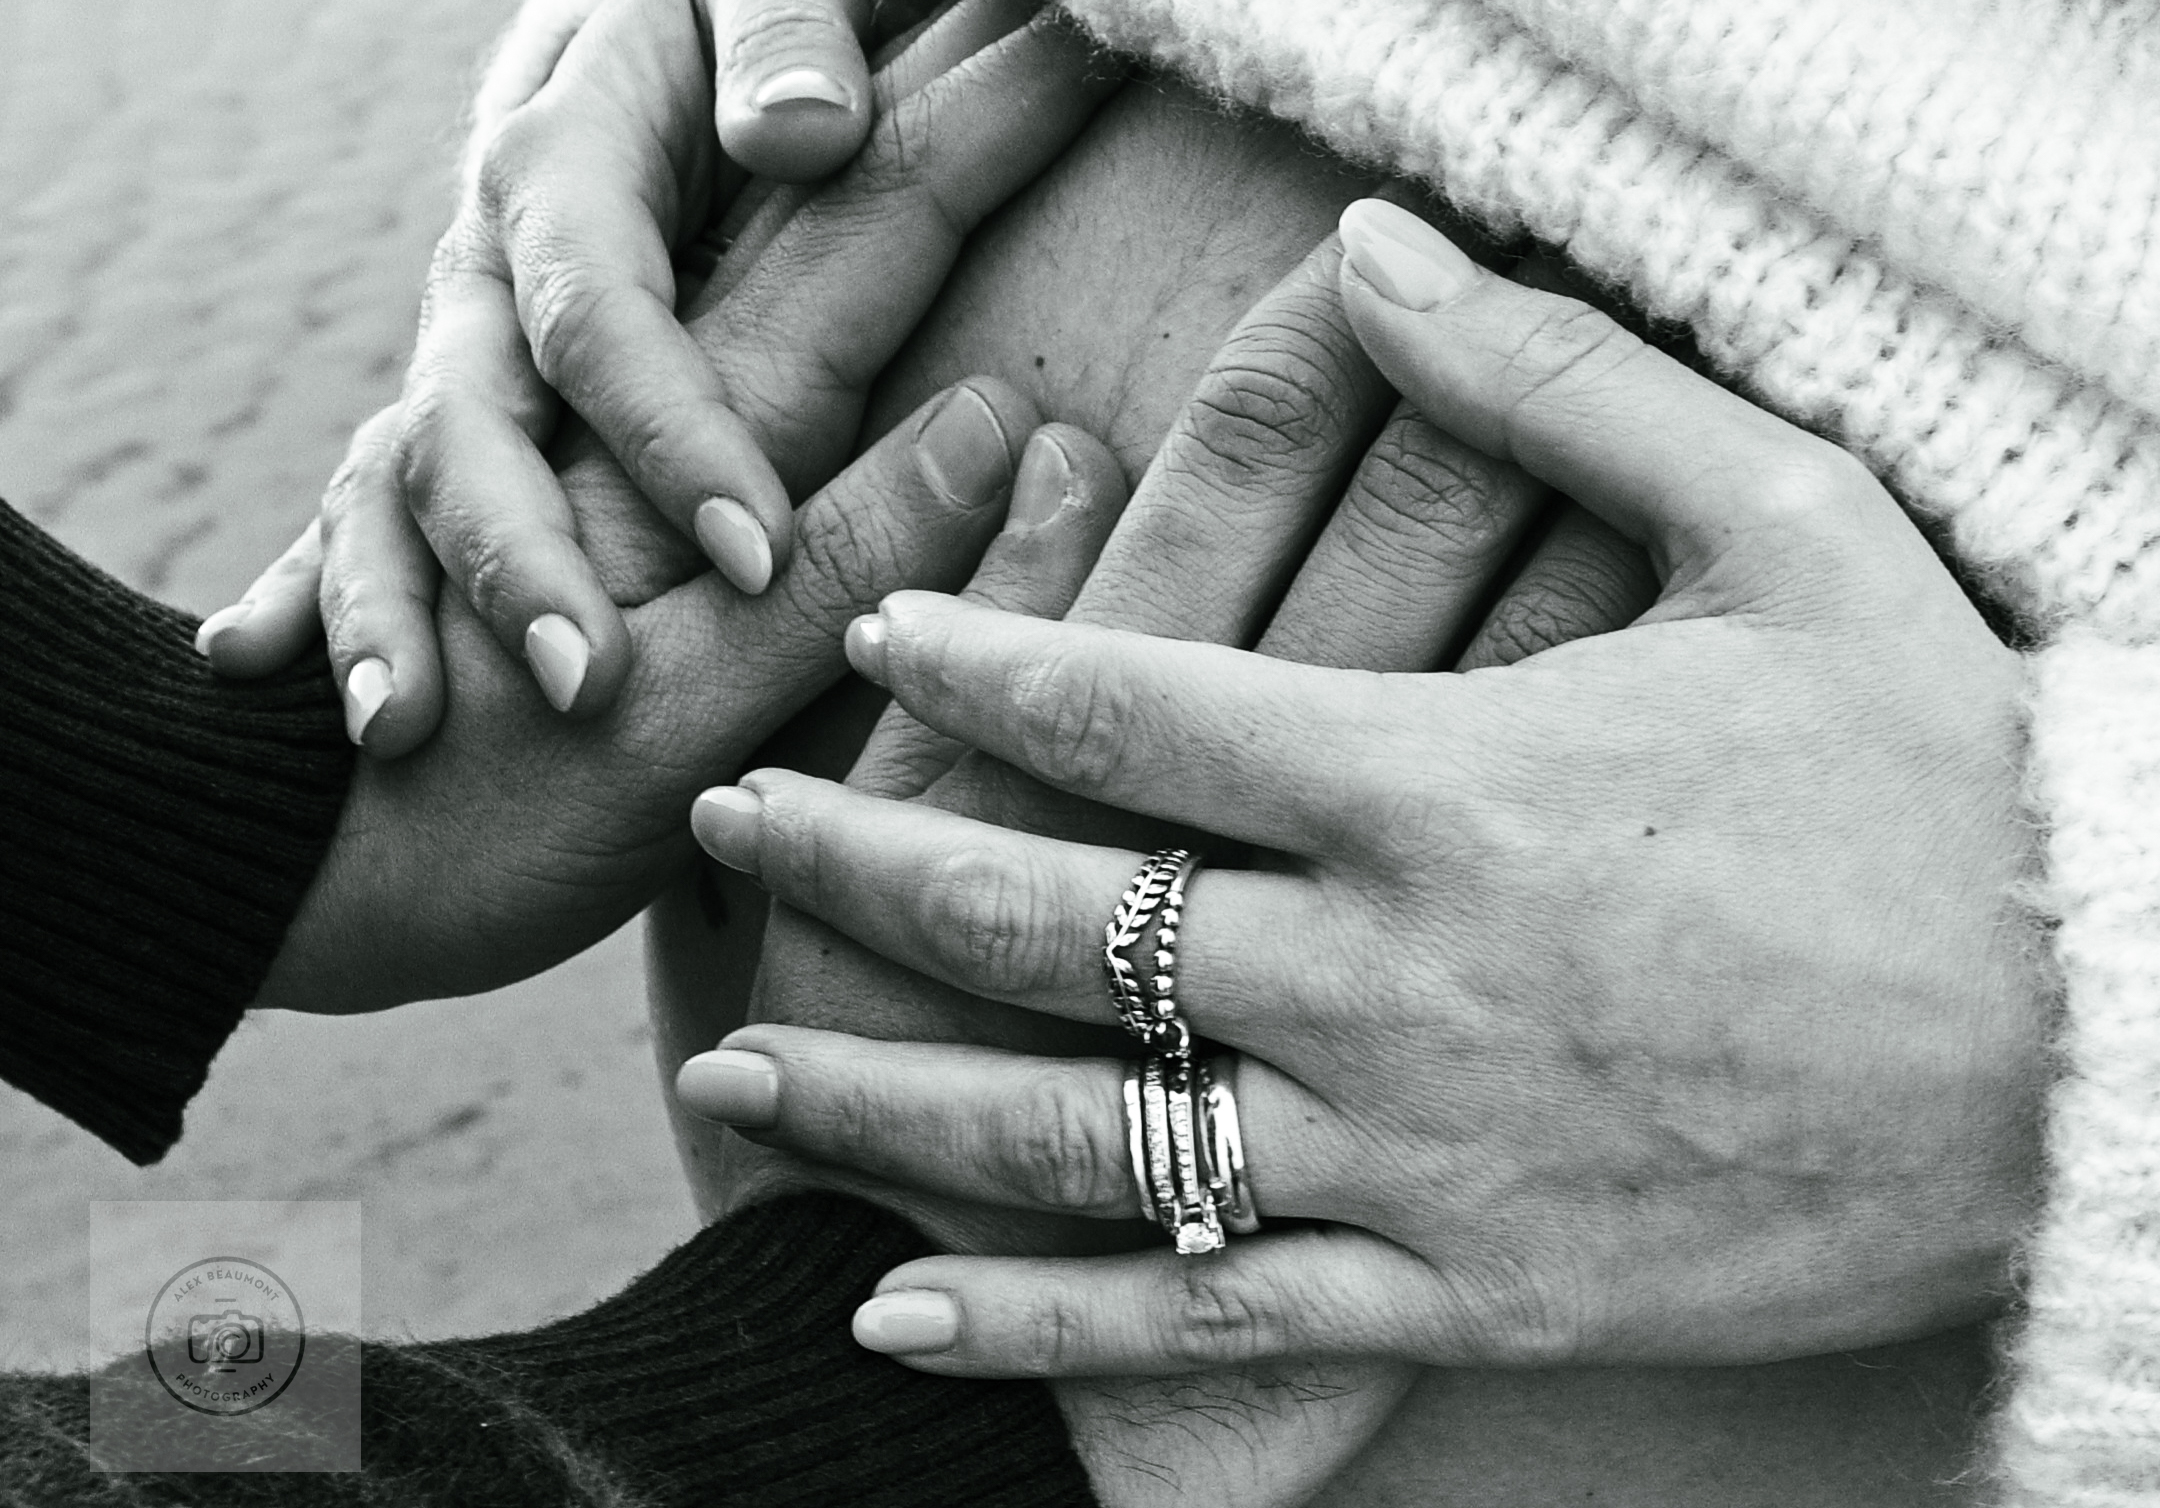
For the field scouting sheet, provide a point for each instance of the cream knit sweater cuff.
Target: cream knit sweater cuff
(1932, 233)
(2083, 1422)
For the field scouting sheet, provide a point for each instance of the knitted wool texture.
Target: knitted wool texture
(1932, 233)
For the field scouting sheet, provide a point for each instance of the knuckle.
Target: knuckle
(850, 1114)
(566, 308)
(1055, 1148)
(1428, 491)
(516, 150)
(489, 579)
(1795, 482)
(1261, 412)
(1220, 1319)
(342, 495)
(797, 856)
(1053, 1337)
(1074, 722)
(641, 436)
(1517, 1318)
(1559, 610)
(768, 31)
(1567, 342)
(985, 921)
(419, 443)
(895, 174)
(841, 564)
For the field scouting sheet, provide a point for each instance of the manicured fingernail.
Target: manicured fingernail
(218, 622)
(727, 820)
(558, 655)
(801, 86)
(1409, 262)
(735, 543)
(908, 1322)
(865, 645)
(367, 687)
(732, 1087)
(962, 450)
(1043, 485)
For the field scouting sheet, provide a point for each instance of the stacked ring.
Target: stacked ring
(1156, 897)
(1226, 1152)
(1181, 1126)
(1188, 1160)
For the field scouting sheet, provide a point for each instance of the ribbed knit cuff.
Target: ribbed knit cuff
(158, 828)
(727, 1374)
(2083, 1422)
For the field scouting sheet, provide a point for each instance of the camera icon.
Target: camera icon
(225, 1340)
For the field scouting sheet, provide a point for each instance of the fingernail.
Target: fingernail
(367, 687)
(908, 1322)
(727, 820)
(1405, 259)
(558, 655)
(865, 646)
(1043, 485)
(962, 450)
(732, 1087)
(218, 622)
(801, 86)
(732, 538)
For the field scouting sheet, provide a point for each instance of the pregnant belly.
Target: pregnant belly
(1104, 291)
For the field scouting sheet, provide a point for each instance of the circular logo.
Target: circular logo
(225, 1335)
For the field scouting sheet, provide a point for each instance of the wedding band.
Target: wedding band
(1136, 1141)
(1160, 1189)
(1194, 1227)
(1188, 1151)
(1226, 1150)
(1156, 896)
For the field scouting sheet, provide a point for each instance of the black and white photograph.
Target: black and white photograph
(1080, 753)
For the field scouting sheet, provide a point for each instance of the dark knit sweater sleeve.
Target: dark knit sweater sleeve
(158, 828)
(725, 1376)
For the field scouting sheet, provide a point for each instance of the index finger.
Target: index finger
(586, 186)
(1192, 733)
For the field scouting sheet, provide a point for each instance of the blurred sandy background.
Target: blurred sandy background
(214, 217)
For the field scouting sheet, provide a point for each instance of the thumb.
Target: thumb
(1689, 471)
(717, 672)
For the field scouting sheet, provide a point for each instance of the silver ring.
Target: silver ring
(1226, 1149)
(1181, 1127)
(1160, 1190)
(1156, 897)
(1136, 1141)
(1196, 1230)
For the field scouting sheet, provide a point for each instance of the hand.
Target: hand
(1662, 997)
(517, 838)
(1396, 580)
(557, 275)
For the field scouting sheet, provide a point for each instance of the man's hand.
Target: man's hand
(518, 838)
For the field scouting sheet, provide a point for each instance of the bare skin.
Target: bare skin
(1103, 292)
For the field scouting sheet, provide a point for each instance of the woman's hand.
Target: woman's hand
(1663, 996)
(1398, 578)
(561, 275)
